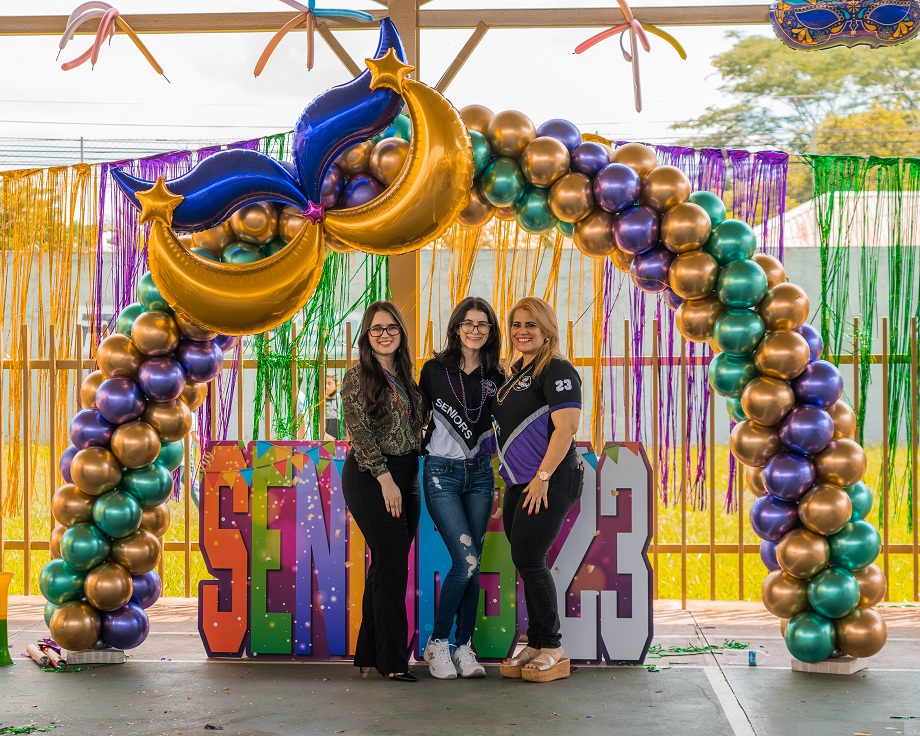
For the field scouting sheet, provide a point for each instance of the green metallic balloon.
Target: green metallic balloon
(741, 284)
(729, 374)
(84, 546)
(50, 608)
(730, 241)
(205, 253)
(482, 152)
(151, 484)
(738, 331)
(149, 296)
(241, 253)
(400, 128)
(855, 546)
(59, 582)
(861, 497)
(566, 228)
(171, 455)
(502, 182)
(735, 411)
(118, 513)
(269, 249)
(126, 318)
(833, 592)
(713, 205)
(532, 212)
(810, 637)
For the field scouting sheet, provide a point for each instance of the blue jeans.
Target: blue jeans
(459, 496)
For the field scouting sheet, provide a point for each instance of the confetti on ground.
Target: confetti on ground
(656, 651)
(25, 729)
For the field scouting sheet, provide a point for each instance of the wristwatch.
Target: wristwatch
(543, 475)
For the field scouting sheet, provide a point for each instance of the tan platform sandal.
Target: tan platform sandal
(546, 668)
(511, 667)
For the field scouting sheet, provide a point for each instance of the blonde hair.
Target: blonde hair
(545, 318)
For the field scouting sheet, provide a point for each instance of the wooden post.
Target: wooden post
(3, 366)
(626, 363)
(885, 469)
(712, 495)
(656, 391)
(52, 417)
(914, 441)
(683, 474)
(26, 459)
(240, 388)
(187, 508)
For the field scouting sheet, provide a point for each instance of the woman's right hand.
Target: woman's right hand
(392, 498)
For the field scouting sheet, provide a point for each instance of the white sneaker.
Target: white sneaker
(437, 655)
(464, 659)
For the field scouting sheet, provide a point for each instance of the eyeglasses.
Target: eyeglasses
(469, 328)
(377, 330)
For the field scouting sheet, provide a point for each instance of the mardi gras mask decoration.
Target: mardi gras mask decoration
(821, 24)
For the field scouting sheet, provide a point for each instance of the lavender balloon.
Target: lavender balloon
(561, 130)
(120, 400)
(649, 270)
(616, 188)
(361, 189)
(636, 229)
(672, 300)
(768, 555)
(125, 627)
(773, 518)
(66, 460)
(333, 186)
(161, 378)
(820, 384)
(787, 475)
(588, 158)
(814, 340)
(90, 429)
(147, 589)
(227, 342)
(807, 429)
(201, 361)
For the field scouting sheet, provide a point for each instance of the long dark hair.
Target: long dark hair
(373, 381)
(451, 356)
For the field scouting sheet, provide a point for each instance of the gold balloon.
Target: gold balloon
(544, 160)
(336, 245)
(108, 586)
(69, 506)
(639, 158)
(844, 420)
(387, 159)
(155, 333)
(432, 189)
(803, 553)
(783, 623)
(782, 354)
(861, 633)
(138, 553)
(88, 389)
(785, 307)
(186, 240)
(54, 543)
(685, 227)
(505, 214)
(843, 462)
(215, 239)
(753, 444)
(783, 595)
(872, 585)
(478, 212)
(509, 133)
(118, 356)
(825, 509)
(194, 394)
(594, 235)
(776, 273)
(357, 159)
(95, 470)
(290, 222)
(767, 400)
(753, 480)
(665, 187)
(255, 223)
(171, 419)
(693, 275)
(192, 330)
(135, 444)
(476, 117)
(571, 198)
(695, 318)
(156, 520)
(75, 626)
(622, 260)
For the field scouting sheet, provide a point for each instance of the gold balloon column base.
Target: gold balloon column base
(841, 666)
(5, 580)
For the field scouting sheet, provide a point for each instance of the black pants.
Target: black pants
(531, 538)
(383, 639)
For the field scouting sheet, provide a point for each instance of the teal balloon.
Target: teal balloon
(730, 241)
(566, 228)
(126, 318)
(240, 253)
(50, 608)
(713, 205)
(833, 592)
(861, 498)
(117, 513)
(741, 284)
(209, 255)
(735, 411)
(482, 152)
(532, 212)
(151, 484)
(401, 128)
(60, 583)
(149, 296)
(729, 374)
(810, 636)
(276, 246)
(738, 331)
(171, 455)
(502, 182)
(84, 546)
(855, 546)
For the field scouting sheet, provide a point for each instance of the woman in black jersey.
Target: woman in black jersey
(459, 383)
(536, 414)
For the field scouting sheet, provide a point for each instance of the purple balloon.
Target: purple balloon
(147, 589)
(90, 429)
(120, 400)
(820, 384)
(649, 270)
(561, 130)
(807, 429)
(787, 475)
(588, 158)
(814, 340)
(333, 186)
(672, 300)
(201, 360)
(773, 518)
(616, 188)
(227, 342)
(125, 627)
(361, 189)
(161, 378)
(636, 229)
(66, 460)
(768, 555)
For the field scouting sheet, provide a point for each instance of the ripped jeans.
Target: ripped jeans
(459, 495)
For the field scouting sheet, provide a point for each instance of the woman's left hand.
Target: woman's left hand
(536, 496)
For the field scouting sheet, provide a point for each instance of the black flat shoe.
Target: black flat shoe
(403, 677)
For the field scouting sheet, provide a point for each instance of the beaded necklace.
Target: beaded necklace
(510, 384)
(462, 401)
(399, 392)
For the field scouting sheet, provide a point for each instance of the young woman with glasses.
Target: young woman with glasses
(385, 414)
(459, 383)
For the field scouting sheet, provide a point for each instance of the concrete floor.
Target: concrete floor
(170, 687)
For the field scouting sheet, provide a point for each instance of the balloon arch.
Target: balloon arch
(235, 248)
